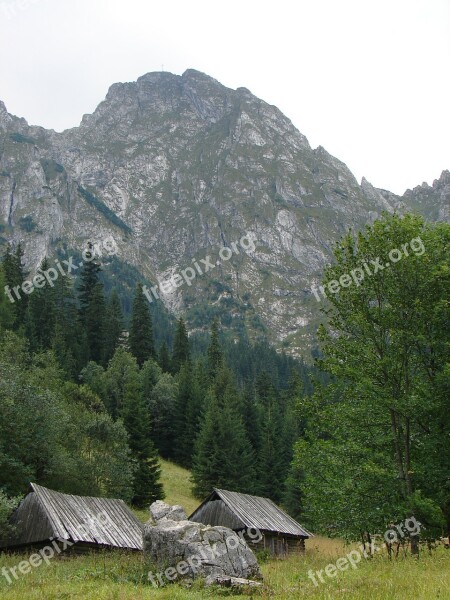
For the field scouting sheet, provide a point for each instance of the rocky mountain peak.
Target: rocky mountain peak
(177, 166)
(434, 199)
(5, 118)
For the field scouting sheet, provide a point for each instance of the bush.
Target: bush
(7, 505)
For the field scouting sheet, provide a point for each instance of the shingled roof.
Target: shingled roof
(238, 511)
(45, 514)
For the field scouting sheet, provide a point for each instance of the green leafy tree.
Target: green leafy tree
(379, 430)
(51, 431)
(118, 377)
(7, 506)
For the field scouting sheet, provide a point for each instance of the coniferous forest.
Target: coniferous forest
(89, 388)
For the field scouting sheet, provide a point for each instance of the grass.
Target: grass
(177, 488)
(122, 576)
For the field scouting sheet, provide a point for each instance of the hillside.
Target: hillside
(177, 486)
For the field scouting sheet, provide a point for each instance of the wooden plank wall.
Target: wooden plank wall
(279, 545)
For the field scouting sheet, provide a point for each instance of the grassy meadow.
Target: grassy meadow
(122, 576)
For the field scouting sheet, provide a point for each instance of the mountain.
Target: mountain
(175, 167)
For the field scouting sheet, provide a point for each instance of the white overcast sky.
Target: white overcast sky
(368, 80)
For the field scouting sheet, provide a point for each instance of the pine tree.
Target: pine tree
(215, 354)
(272, 460)
(252, 417)
(188, 408)
(123, 378)
(114, 327)
(208, 461)
(14, 277)
(141, 330)
(63, 352)
(6, 306)
(92, 309)
(239, 469)
(223, 454)
(40, 319)
(68, 342)
(181, 351)
(293, 498)
(136, 417)
(162, 411)
(164, 359)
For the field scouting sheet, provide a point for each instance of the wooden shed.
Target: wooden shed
(281, 534)
(45, 516)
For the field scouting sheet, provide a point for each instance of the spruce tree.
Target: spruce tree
(135, 414)
(215, 354)
(40, 319)
(208, 463)
(141, 330)
(14, 277)
(252, 417)
(188, 408)
(63, 352)
(162, 412)
(164, 359)
(293, 498)
(239, 469)
(114, 326)
(123, 387)
(68, 342)
(272, 460)
(6, 306)
(223, 454)
(92, 309)
(181, 351)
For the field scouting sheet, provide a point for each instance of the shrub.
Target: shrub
(7, 505)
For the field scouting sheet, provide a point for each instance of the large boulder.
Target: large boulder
(176, 548)
(160, 510)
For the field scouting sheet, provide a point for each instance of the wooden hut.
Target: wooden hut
(281, 534)
(84, 522)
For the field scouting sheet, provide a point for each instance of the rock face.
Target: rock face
(176, 548)
(175, 167)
